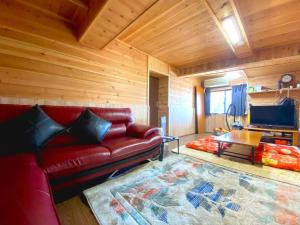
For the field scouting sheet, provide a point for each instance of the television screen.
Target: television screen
(277, 116)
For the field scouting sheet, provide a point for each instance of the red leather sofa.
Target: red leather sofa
(66, 162)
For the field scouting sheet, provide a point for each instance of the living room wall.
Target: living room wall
(35, 70)
(42, 62)
(271, 81)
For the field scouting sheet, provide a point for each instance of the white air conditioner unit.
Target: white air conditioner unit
(216, 82)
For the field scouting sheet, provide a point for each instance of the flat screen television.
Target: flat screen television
(273, 116)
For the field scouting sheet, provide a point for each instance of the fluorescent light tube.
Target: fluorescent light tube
(232, 30)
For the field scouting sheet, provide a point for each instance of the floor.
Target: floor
(75, 212)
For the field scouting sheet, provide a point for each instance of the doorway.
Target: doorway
(158, 100)
(153, 101)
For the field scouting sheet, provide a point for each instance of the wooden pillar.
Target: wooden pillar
(200, 114)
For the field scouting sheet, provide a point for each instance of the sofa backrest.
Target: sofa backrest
(66, 115)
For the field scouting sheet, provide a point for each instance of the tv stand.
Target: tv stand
(294, 133)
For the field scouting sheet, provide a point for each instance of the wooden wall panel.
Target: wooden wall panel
(181, 104)
(158, 66)
(200, 112)
(42, 62)
(271, 81)
(163, 99)
(219, 120)
(36, 70)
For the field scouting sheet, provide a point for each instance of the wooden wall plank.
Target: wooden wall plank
(43, 71)
(181, 104)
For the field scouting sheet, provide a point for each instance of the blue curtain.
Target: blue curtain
(239, 98)
(207, 101)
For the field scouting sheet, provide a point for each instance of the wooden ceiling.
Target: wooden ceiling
(274, 69)
(180, 33)
(70, 11)
(187, 34)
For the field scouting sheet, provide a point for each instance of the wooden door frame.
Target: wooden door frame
(159, 75)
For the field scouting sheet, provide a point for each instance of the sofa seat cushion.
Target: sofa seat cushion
(67, 160)
(25, 194)
(124, 147)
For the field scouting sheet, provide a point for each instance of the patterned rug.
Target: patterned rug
(184, 190)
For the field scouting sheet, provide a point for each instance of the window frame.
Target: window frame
(224, 90)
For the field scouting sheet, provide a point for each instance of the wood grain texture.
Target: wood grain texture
(274, 56)
(220, 10)
(241, 137)
(107, 19)
(271, 81)
(173, 31)
(181, 104)
(36, 68)
(42, 62)
(163, 100)
(271, 23)
(75, 212)
(200, 116)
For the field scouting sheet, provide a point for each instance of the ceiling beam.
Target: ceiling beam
(46, 11)
(266, 57)
(108, 18)
(95, 9)
(79, 3)
(241, 50)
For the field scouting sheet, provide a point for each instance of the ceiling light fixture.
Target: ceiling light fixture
(233, 75)
(232, 30)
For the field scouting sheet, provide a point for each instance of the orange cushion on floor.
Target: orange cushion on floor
(207, 144)
(288, 162)
(282, 149)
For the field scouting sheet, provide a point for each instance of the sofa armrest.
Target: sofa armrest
(141, 131)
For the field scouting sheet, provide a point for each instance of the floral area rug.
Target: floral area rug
(184, 190)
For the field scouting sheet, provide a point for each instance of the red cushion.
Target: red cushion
(25, 193)
(67, 160)
(124, 147)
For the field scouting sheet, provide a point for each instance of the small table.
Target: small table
(166, 139)
(240, 137)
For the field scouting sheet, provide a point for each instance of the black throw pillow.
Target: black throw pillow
(28, 132)
(89, 127)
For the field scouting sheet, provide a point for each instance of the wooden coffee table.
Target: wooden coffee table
(239, 137)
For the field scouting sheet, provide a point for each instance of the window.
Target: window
(220, 101)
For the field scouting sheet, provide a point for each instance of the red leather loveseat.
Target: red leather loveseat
(66, 162)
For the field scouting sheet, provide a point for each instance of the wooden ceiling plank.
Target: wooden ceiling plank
(261, 58)
(147, 18)
(46, 11)
(113, 14)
